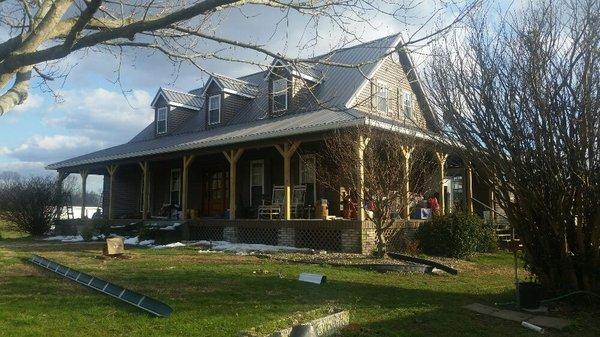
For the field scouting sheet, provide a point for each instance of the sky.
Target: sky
(105, 99)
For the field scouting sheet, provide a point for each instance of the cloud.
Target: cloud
(108, 117)
(33, 101)
(44, 149)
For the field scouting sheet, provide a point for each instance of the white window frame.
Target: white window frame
(311, 157)
(279, 93)
(262, 178)
(171, 190)
(381, 87)
(158, 112)
(407, 109)
(210, 98)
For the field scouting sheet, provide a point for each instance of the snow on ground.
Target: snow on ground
(248, 247)
(65, 238)
(136, 241)
(170, 245)
(171, 227)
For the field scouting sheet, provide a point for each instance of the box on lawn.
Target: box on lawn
(114, 246)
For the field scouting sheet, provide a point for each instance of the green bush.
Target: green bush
(87, 233)
(456, 235)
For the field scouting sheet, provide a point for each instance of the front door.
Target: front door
(215, 192)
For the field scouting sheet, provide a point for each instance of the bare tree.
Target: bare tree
(385, 174)
(521, 98)
(41, 31)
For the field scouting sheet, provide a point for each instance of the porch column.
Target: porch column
(492, 205)
(361, 145)
(469, 187)
(232, 157)
(406, 153)
(187, 161)
(442, 157)
(60, 191)
(84, 175)
(144, 165)
(112, 169)
(287, 151)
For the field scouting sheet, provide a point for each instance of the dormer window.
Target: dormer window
(381, 97)
(407, 104)
(280, 94)
(214, 109)
(161, 120)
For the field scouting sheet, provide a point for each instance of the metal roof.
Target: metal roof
(235, 86)
(179, 98)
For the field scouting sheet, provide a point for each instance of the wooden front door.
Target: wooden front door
(215, 192)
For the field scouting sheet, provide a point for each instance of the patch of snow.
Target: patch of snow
(132, 241)
(170, 245)
(146, 243)
(65, 238)
(249, 247)
(171, 227)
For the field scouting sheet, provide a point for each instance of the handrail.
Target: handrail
(488, 207)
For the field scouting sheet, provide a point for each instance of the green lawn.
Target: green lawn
(220, 294)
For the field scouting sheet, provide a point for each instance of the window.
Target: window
(161, 120)
(407, 105)
(308, 176)
(280, 95)
(214, 109)
(381, 97)
(175, 186)
(257, 181)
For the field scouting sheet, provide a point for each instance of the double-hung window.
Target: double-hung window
(161, 120)
(407, 104)
(381, 97)
(214, 109)
(280, 94)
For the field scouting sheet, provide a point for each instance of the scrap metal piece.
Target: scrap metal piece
(143, 302)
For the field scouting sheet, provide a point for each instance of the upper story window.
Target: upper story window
(161, 120)
(381, 97)
(214, 109)
(280, 94)
(407, 103)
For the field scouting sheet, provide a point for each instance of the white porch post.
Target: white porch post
(232, 157)
(442, 157)
(84, 175)
(406, 153)
(469, 187)
(187, 161)
(287, 151)
(112, 169)
(361, 145)
(144, 166)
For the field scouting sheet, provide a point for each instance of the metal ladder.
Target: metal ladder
(69, 207)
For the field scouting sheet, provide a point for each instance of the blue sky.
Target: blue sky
(90, 111)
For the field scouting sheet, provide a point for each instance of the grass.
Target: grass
(218, 294)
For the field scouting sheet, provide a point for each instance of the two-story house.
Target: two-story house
(218, 151)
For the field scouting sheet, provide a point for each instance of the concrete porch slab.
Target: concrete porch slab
(517, 316)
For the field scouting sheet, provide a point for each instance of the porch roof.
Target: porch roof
(271, 128)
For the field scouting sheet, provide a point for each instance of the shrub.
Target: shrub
(87, 233)
(456, 235)
(30, 204)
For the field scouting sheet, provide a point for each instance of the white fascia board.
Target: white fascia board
(366, 81)
(212, 79)
(234, 92)
(158, 94)
(175, 104)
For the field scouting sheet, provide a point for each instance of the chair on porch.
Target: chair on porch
(275, 209)
(298, 201)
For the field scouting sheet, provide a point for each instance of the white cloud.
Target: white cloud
(46, 149)
(106, 116)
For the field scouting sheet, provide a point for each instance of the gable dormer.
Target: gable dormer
(224, 97)
(292, 88)
(172, 108)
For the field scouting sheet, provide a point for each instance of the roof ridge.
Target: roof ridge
(233, 78)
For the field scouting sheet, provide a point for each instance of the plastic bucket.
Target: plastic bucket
(530, 295)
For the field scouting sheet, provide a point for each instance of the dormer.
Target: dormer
(172, 108)
(225, 96)
(292, 87)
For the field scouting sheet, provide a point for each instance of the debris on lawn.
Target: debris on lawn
(334, 321)
(532, 327)
(312, 278)
(114, 247)
(138, 300)
(521, 317)
(414, 259)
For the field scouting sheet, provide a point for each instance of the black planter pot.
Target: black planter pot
(530, 295)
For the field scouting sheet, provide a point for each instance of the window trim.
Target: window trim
(178, 170)
(411, 104)
(166, 110)
(209, 109)
(262, 176)
(283, 92)
(382, 85)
